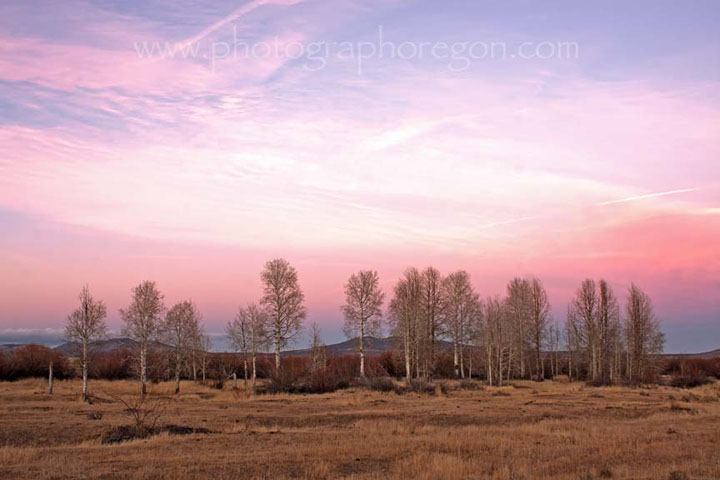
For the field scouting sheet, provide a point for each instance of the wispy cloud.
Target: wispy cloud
(648, 195)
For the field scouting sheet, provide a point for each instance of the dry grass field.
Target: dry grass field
(525, 431)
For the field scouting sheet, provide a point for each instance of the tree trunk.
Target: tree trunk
(143, 370)
(456, 363)
(177, 372)
(431, 372)
(50, 378)
(408, 372)
(470, 365)
(254, 371)
(84, 365)
(362, 350)
(489, 369)
(245, 370)
(499, 368)
(277, 357)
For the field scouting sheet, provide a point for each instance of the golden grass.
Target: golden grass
(525, 431)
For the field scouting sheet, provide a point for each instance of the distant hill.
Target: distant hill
(72, 349)
(9, 347)
(711, 354)
(371, 345)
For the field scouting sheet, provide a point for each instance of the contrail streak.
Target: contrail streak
(649, 195)
(237, 13)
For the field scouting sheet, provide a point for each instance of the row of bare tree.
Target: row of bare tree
(146, 321)
(514, 333)
(611, 346)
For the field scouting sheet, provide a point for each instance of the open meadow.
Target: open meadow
(526, 430)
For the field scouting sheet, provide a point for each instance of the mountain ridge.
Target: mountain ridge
(372, 346)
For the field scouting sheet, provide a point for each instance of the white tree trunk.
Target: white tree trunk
(277, 357)
(456, 363)
(177, 372)
(84, 365)
(50, 378)
(143, 370)
(362, 351)
(254, 372)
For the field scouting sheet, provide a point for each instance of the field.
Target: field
(525, 431)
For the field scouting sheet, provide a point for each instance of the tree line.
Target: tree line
(499, 338)
(514, 337)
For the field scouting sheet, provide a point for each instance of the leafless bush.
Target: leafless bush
(145, 413)
(378, 384)
(470, 385)
(425, 387)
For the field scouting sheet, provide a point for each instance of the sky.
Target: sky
(188, 142)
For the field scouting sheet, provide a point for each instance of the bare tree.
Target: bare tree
(432, 312)
(474, 332)
(318, 351)
(248, 334)
(519, 304)
(594, 326)
(179, 330)
(555, 336)
(85, 325)
(283, 301)
(643, 336)
(574, 339)
(203, 346)
(143, 323)
(362, 309)
(583, 314)
(608, 329)
(497, 338)
(238, 334)
(539, 312)
(459, 305)
(406, 314)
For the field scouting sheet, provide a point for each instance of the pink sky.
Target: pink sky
(116, 168)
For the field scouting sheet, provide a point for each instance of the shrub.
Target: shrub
(145, 413)
(388, 363)
(33, 361)
(378, 384)
(599, 382)
(688, 381)
(296, 376)
(470, 385)
(422, 387)
(112, 365)
(707, 367)
(444, 365)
